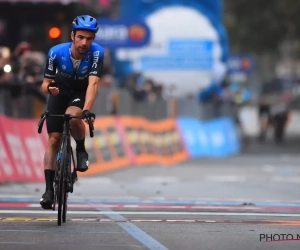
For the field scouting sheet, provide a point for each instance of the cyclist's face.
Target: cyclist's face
(83, 40)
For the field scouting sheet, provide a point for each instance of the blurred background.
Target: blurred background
(165, 59)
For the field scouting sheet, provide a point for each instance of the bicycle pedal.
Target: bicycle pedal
(70, 188)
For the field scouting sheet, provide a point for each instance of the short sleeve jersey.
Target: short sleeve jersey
(61, 67)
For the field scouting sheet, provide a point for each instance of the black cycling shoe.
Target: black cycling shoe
(47, 199)
(82, 161)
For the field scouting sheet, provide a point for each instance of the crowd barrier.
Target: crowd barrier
(119, 142)
(213, 138)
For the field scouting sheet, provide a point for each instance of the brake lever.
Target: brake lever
(41, 122)
(91, 126)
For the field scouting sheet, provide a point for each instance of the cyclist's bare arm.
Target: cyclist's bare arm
(91, 92)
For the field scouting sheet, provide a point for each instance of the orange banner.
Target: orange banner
(139, 138)
(106, 149)
(125, 141)
(154, 142)
(168, 143)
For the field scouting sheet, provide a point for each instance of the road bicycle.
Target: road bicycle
(65, 178)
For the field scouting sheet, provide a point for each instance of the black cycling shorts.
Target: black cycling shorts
(58, 105)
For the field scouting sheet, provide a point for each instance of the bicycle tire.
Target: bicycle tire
(61, 185)
(57, 175)
(56, 183)
(67, 161)
(65, 207)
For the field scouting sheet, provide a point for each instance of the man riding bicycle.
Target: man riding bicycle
(72, 77)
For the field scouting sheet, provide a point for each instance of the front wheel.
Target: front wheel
(61, 194)
(65, 205)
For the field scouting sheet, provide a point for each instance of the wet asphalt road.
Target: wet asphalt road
(202, 204)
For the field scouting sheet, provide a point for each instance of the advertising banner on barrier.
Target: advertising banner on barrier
(215, 138)
(195, 136)
(231, 135)
(106, 150)
(154, 142)
(34, 148)
(222, 137)
(168, 142)
(16, 149)
(139, 139)
(7, 171)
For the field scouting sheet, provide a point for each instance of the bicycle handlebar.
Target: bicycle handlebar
(66, 117)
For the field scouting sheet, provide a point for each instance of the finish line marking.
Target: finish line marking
(157, 207)
(137, 220)
(152, 213)
(157, 202)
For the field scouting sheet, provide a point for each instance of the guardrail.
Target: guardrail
(25, 101)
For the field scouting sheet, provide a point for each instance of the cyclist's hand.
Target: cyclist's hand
(87, 114)
(53, 89)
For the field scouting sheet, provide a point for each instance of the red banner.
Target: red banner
(34, 147)
(24, 149)
(16, 153)
(7, 171)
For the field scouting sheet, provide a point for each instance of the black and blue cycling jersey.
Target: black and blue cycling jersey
(60, 66)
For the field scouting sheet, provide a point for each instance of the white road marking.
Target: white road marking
(151, 213)
(145, 220)
(294, 179)
(268, 168)
(158, 179)
(225, 178)
(98, 180)
(181, 220)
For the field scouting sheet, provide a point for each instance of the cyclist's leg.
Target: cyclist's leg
(56, 105)
(78, 129)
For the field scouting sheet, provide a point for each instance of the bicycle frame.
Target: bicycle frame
(64, 178)
(66, 137)
(63, 181)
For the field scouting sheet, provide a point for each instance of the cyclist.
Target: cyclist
(71, 77)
